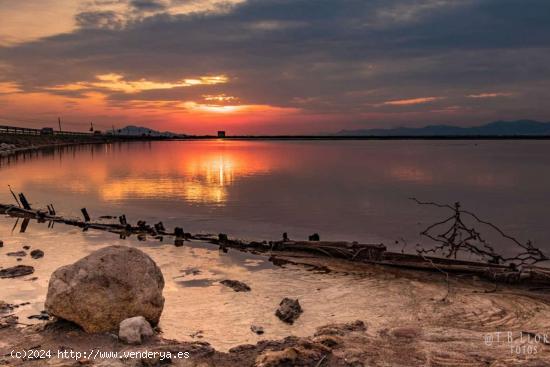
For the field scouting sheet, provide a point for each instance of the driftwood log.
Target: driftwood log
(353, 251)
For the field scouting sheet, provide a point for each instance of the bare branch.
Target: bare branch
(459, 238)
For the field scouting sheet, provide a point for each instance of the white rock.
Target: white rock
(132, 330)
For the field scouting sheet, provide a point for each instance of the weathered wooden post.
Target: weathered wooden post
(24, 201)
(51, 209)
(15, 197)
(180, 236)
(178, 232)
(24, 225)
(314, 237)
(85, 214)
(159, 227)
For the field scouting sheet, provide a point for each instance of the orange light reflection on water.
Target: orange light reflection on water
(199, 172)
(195, 171)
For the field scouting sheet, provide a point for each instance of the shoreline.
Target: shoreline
(365, 137)
(444, 332)
(446, 326)
(416, 321)
(32, 143)
(14, 144)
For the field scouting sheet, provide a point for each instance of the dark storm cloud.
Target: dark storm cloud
(323, 55)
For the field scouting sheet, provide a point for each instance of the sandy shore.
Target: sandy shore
(473, 326)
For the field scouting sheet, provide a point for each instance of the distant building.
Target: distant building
(46, 131)
(221, 134)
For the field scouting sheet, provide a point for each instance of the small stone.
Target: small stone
(17, 254)
(16, 271)
(37, 254)
(257, 329)
(1, 243)
(44, 316)
(26, 247)
(133, 329)
(289, 310)
(236, 285)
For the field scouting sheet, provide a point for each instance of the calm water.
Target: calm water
(343, 190)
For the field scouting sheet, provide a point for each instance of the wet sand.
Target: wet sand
(408, 321)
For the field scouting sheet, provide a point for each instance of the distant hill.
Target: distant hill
(497, 128)
(141, 131)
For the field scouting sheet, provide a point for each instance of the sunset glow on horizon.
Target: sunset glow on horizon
(271, 67)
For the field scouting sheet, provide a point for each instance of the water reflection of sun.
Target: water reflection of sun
(216, 170)
(201, 175)
(198, 172)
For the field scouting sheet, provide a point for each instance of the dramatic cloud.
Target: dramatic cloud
(116, 82)
(285, 65)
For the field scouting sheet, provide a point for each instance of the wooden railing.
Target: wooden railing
(28, 131)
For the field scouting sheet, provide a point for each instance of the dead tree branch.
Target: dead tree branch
(452, 236)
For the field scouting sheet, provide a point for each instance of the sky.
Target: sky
(272, 66)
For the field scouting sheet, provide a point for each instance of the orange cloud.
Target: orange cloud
(491, 95)
(9, 87)
(227, 109)
(117, 83)
(218, 97)
(41, 109)
(412, 101)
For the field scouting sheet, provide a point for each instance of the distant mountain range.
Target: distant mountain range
(497, 128)
(144, 131)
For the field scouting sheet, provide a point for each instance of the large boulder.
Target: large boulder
(106, 287)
